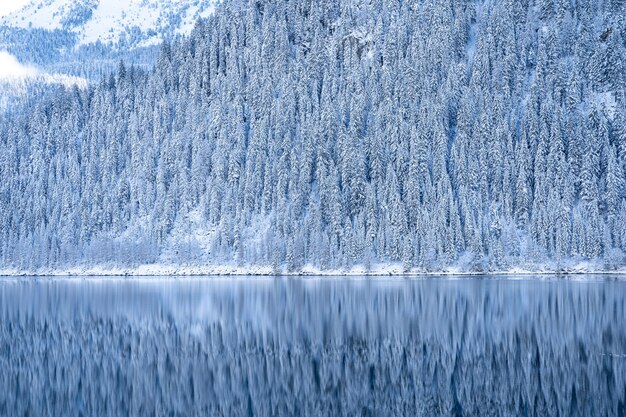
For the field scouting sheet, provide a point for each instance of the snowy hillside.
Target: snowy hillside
(293, 135)
(138, 22)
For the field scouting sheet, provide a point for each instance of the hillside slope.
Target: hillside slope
(298, 135)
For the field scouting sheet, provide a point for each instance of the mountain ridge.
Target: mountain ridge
(112, 22)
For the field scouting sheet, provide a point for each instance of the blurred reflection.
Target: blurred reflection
(313, 348)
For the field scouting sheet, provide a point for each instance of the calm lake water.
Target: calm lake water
(315, 347)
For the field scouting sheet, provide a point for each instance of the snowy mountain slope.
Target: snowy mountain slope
(138, 22)
(299, 136)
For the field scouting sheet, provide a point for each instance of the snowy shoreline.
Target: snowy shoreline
(158, 270)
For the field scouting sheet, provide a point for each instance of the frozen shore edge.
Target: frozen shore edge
(394, 270)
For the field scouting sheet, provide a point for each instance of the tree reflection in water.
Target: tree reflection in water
(322, 347)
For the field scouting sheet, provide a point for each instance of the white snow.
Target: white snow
(470, 48)
(608, 102)
(64, 79)
(10, 6)
(577, 270)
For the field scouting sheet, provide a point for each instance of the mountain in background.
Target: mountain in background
(73, 42)
(117, 23)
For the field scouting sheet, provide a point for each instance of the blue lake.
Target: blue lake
(313, 347)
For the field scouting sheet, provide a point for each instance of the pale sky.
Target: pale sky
(8, 6)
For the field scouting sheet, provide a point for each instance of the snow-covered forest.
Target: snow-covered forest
(432, 134)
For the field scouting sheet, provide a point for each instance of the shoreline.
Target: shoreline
(387, 271)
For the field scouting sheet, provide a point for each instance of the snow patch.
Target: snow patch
(607, 102)
(10, 6)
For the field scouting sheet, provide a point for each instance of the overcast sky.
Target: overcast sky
(8, 6)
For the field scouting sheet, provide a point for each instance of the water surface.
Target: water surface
(315, 347)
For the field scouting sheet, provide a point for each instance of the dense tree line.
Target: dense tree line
(291, 133)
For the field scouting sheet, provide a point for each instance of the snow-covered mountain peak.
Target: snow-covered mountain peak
(135, 22)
